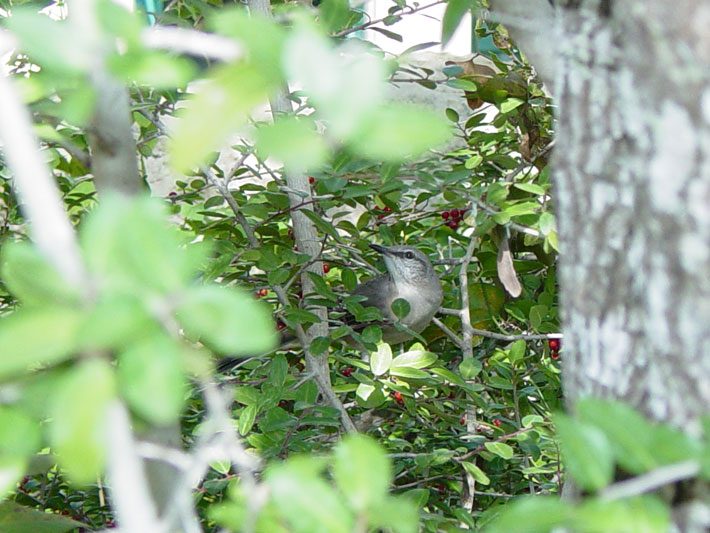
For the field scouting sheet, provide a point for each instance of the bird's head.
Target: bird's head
(405, 264)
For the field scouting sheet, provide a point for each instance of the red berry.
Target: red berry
(462, 421)
(554, 345)
(555, 355)
(263, 292)
(172, 193)
(398, 397)
(453, 224)
(280, 325)
(454, 213)
(283, 404)
(326, 268)
(445, 215)
(497, 423)
(311, 180)
(347, 371)
(387, 209)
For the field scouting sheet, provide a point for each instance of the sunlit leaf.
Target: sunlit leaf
(228, 319)
(362, 471)
(151, 378)
(79, 416)
(381, 360)
(294, 142)
(33, 336)
(400, 131)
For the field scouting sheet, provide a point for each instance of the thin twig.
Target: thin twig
(192, 42)
(366, 25)
(650, 481)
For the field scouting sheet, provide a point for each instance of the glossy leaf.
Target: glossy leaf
(381, 360)
(152, 379)
(78, 432)
(34, 336)
(229, 320)
(586, 452)
(362, 471)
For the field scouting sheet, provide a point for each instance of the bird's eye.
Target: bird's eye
(409, 255)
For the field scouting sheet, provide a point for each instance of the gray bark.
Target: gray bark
(632, 173)
(113, 149)
(632, 179)
(632, 183)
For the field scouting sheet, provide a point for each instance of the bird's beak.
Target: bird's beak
(378, 248)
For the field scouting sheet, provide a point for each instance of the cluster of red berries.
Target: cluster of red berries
(386, 210)
(398, 397)
(555, 345)
(453, 217)
(347, 371)
(261, 293)
(497, 422)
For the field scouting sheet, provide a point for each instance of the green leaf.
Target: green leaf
(362, 471)
(293, 141)
(31, 278)
(305, 500)
(530, 187)
(452, 115)
(516, 352)
(153, 68)
(151, 378)
(636, 515)
(546, 223)
(535, 514)
(408, 372)
(629, 434)
(477, 474)
(319, 345)
(33, 336)
(20, 434)
(55, 44)
(586, 453)
(416, 357)
(501, 449)
(400, 131)
(202, 126)
(470, 368)
(246, 419)
(510, 104)
(369, 396)
(129, 245)
(396, 513)
(262, 37)
(78, 433)
(15, 518)
(229, 320)
(336, 15)
(381, 360)
(116, 321)
(400, 307)
(454, 14)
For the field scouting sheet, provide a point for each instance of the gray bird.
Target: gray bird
(409, 276)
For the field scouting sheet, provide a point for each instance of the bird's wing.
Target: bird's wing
(379, 292)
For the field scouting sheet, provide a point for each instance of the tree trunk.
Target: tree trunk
(632, 172)
(632, 178)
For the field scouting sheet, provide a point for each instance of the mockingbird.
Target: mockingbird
(411, 277)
